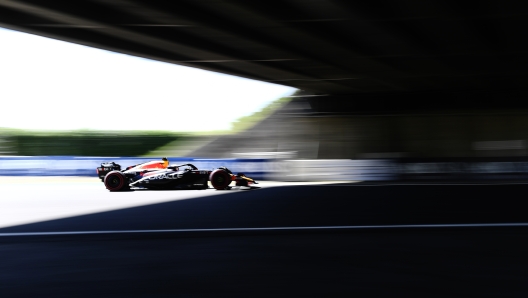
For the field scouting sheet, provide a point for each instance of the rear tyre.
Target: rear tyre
(220, 179)
(115, 181)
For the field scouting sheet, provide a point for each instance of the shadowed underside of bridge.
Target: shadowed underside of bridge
(369, 55)
(415, 78)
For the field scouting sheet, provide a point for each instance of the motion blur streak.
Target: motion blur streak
(288, 229)
(414, 91)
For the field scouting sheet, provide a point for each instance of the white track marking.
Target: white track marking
(369, 227)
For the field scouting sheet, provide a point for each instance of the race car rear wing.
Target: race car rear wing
(107, 167)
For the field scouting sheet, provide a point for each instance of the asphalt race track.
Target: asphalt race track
(333, 240)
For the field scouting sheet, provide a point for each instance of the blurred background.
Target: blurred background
(423, 101)
(420, 88)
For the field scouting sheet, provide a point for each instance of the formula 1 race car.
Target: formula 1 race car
(161, 175)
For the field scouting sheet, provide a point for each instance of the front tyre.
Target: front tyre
(115, 181)
(220, 179)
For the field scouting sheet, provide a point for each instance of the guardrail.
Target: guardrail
(333, 170)
(260, 169)
(289, 169)
(85, 166)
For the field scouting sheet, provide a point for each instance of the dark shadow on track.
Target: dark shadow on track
(312, 206)
(468, 262)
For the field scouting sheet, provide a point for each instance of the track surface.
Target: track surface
(425, 262)
(32, 199)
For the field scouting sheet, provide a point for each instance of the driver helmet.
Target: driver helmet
(165, 162)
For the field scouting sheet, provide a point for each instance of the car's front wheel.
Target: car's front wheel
(220, 179)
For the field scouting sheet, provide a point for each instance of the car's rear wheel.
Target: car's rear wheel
(115, 181)
(220, 179)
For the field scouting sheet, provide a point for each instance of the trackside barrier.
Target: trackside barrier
(492, 168)
(334, 170)
(86, 166)
(260, 169)
(454, 169)
(289, 169)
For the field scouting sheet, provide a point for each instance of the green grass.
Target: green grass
(85, 142)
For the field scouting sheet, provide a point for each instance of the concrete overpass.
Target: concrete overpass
(410, 59)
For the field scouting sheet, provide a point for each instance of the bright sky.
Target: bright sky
(53, 85)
